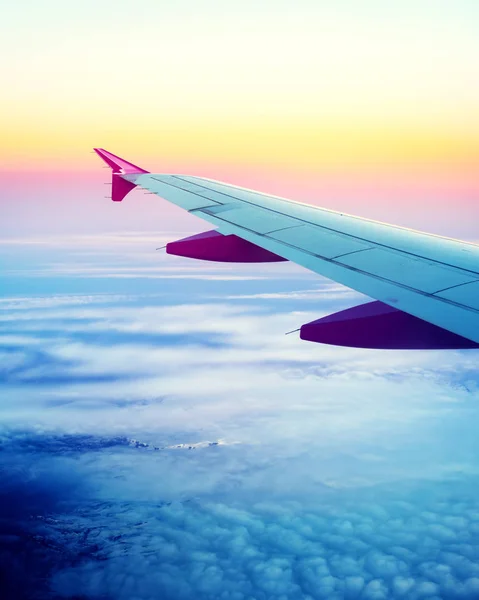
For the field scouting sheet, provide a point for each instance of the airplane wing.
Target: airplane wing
(426, 287)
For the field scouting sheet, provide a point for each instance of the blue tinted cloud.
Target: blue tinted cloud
(180, 446)
(327, 548)
(32, 489)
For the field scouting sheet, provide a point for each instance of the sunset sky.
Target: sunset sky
(362, 105)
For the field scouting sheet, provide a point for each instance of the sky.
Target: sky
(160, 436)
(360, 105)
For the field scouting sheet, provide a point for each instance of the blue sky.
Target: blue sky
(162, 437)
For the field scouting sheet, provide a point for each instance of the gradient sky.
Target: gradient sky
(362, 105)
(314, 471)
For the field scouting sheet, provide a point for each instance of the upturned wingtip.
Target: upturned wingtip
(118, 164)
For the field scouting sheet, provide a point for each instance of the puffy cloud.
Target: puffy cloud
(151, 537)
(221, 550)
(31, 491)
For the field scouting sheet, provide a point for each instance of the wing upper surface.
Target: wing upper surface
(433, 278)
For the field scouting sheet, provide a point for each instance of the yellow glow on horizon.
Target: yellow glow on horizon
(297, 144)
(357, 82)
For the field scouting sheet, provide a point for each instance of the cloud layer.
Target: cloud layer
(173, 443)
(408, 548)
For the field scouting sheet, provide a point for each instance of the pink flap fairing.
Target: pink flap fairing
(214, 246)
(378, 325)
(120, 187)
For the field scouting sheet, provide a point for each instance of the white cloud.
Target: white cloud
(287, 504)
(325, 292)
(54, 301)
(275, 550)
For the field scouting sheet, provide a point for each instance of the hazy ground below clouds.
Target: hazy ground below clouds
(161, 437)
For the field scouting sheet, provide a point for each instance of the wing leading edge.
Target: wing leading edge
(432, 279)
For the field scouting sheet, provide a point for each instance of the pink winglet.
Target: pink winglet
(120, 186)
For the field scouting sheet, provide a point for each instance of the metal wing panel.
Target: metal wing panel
(180, 183)
(448, 314)
(465, 255)
(254, 218)
(320, 241)
(467, 295)
(400, 267)
(408, 270)
(165, 186)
